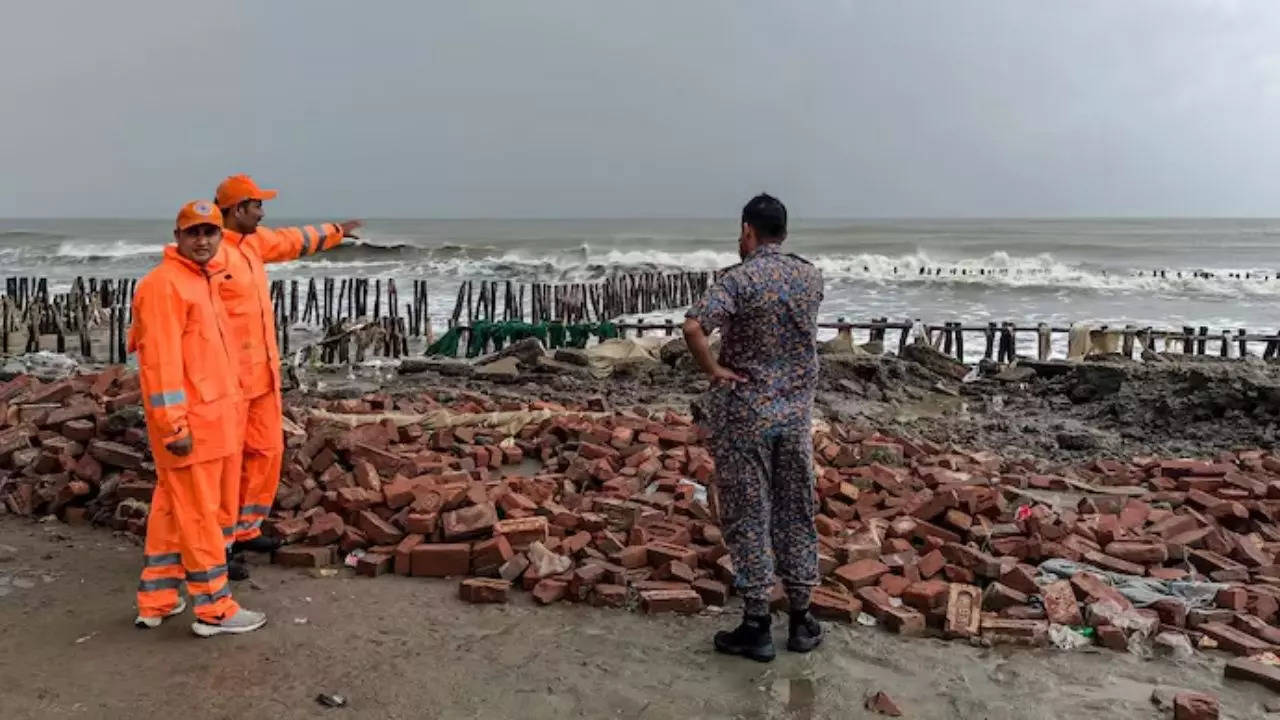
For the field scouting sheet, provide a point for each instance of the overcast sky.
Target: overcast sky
(559, 108)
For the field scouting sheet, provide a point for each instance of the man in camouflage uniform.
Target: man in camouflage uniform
(759, 414)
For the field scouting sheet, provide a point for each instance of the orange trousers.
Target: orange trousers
(185, 542)
(260, 465)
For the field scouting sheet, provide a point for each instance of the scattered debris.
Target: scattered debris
(880, 702)
(332, 700)
(613, 505)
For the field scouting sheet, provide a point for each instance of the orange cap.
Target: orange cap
(238, 188)
(198, 212)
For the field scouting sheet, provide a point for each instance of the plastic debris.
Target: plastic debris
(1064, 638)
(1174, 645)
(333, 700)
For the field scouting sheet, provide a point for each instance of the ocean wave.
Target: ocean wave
(1033, 273)
(88, 250)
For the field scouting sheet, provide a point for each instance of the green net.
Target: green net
(484, 334)
(447, 345)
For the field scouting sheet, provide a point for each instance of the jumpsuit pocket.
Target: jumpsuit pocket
(202, 372)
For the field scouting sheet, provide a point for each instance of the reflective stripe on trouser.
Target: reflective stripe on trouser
(184, 543)
(259, 478)
(260, 466)
(765, 483)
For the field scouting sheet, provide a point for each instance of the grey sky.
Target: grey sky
(560, 108)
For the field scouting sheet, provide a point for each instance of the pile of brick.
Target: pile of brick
(618, 510)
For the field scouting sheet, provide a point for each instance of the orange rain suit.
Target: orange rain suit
(247, 296)
(190, 387)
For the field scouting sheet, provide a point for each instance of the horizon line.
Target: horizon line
(729, 218)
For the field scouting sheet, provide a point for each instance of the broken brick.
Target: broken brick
(484, 590)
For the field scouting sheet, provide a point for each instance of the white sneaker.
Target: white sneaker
(151, 623)
(242, 622)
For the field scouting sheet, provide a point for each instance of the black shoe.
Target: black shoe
(805, 634)
(237, 570)
(262, 544)
(752, 639)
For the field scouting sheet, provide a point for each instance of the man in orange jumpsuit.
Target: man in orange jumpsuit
(192, 399)
(249, 247)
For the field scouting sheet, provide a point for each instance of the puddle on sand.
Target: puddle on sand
(796, 696)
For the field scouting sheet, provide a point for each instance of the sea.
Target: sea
(1162, 273)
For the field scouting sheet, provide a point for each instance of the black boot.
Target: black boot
(262, 544)
(237, 569)
(752, 639)
(805, 634)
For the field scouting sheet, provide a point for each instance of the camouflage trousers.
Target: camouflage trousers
(765, 485)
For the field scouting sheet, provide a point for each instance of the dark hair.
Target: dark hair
(767, 215)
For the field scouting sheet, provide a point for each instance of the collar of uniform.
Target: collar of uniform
(171, 253)
(231, 236)
(765, 249)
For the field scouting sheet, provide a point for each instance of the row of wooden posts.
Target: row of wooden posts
(371, 307)
(629, 294)
(336, 306)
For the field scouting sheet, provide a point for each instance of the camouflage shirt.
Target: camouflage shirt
(766, 309)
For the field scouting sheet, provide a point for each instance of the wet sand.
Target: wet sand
(408, 648)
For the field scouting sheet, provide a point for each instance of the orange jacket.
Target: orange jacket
(188, 367)
(247, 295)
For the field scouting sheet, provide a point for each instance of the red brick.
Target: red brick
(325, 529)
(522, 532)
(403, 554)
(514, 568)
(861, 573)
(548, 591)
(379, 531)
(713, 592)
(1194, 706)
(631, 557)
(829, 604)
(1114, 564)
(957, 574)
(108, 453)
(469, 522)
(926, 596)
(421, 523)
(584, 579)
(1233, 598)
(1267, 676)
(1258, 628)
(881, 704)
(674, 570)
(892, 584)
(964, 611)
(998, 597)
(1112, 638)
(660, 553)
(1139, 552)
(609, 595)
(484, 590)
(301, 556)
(442, 560)
(1090, 588)
(373, 564)
(1060, 604)
(487, 556)
(997, 631)
(1232, 640)
(685, 601)
(931, 564)
(81, 431)
(290, 530)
